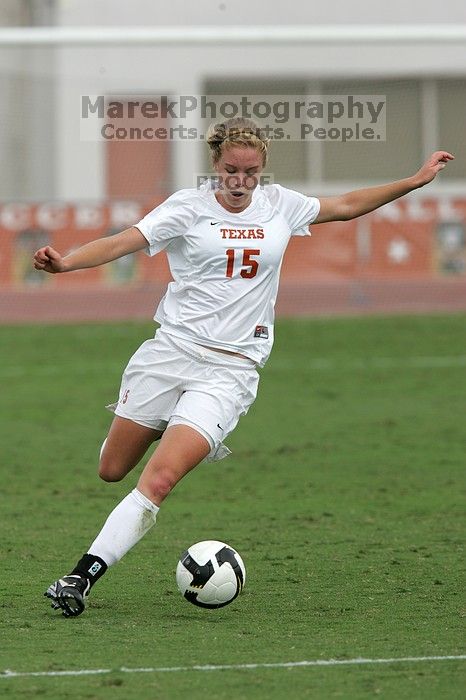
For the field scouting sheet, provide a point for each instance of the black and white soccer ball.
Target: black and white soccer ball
(210, 574)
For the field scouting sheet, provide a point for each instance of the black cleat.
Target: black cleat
(69, 593)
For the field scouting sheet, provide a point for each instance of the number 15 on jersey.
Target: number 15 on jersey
(249, 265)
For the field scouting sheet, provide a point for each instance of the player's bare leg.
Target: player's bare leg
(180, 450)
(126, 444)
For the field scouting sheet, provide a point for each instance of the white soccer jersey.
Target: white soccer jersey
(225, 266)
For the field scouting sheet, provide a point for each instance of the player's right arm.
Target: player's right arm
(91, 254)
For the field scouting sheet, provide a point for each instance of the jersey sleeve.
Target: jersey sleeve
(298, 209)
(167, 221)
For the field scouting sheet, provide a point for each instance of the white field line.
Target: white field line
(233, 667)
(314, 364)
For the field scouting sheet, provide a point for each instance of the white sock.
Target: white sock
(124, 527)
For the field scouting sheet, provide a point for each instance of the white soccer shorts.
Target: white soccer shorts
(170, 381)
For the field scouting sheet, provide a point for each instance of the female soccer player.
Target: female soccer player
(190, 384)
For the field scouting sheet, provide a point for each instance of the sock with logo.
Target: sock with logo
(124, 527)
(90, 566)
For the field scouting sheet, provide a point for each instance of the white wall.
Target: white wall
(27, 108)
(231, 12)
(78, 167)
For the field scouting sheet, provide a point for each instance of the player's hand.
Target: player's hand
(49, 260)
(432, 166)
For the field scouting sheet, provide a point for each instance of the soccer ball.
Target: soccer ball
(210, 574)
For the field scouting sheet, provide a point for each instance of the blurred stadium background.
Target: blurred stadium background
(57, 188)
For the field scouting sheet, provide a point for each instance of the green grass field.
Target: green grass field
(344, 495)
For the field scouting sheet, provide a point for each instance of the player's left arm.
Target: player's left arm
(353, 204)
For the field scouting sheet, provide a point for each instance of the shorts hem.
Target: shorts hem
(217, 451)
(153, 423)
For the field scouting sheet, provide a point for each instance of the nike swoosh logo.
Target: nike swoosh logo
(214, 223)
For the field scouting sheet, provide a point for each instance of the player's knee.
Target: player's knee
(109, 471)
(159, 485)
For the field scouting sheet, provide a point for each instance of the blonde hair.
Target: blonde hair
(237, 131)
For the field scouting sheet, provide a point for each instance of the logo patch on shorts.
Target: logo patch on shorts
(261, 332)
